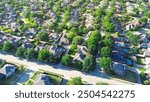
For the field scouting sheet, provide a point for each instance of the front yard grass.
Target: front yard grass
(142, 69)
(35, 75)
(102, 83)
(33, 78)
(140, 61)
(29, 82)
(129, 76)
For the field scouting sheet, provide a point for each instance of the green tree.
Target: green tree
(92, 49)
(88, 63)
(71, 35)
(43, 36)
(53, 58)
(67, 60)
(73, 50)
(79, 65)
(135, 50)
(93, 41)
(143, 19)
(143, 76)
(105, 63)
(135, 40)
(20, 52)
(147, 82)
(7, 46)
(77, 40)
(106, 51)
(107, 24)
(108, 41)
(30, 54)
(75, 81)
(43, 55)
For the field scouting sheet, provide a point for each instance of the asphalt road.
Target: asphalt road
(91, 78)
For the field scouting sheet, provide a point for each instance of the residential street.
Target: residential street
(91, 78)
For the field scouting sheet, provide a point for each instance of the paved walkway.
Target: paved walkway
(91, 78)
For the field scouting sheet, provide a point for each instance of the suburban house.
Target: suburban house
(27, 44)
(31, 32)
(7, 71)
(64, 40)
(144, 38)
(82, 52)
(89, 21)
(118, 8)
(74, 16)
(134, 24)
(14, 26)
(129, 7)
(65, 2)
(54, 37)
(145, 57)
(88, 35)
(43, 79)
(57, 50)
(15, 41)
(40, 47)
(118, 68)
(121, 57)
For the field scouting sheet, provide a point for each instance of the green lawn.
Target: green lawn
(140, 61)
(33, 78)
(102, 83)
(36, 74)
(29, 82)
(142, 69)
(55, 79)
(129, 76)
(13, 78)
(2, 63)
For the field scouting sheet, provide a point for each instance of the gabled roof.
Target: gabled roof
(83, 50)
(119, 57)
(64, 40)
(57, 50)
(119, 68)
(8, 68)
(43, 80)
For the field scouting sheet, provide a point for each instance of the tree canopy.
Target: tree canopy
(43, 36)
(88, 63)
(43, 55)
(93, 41)
(106, 51)
(7, 46)
(105, 63)
(67, 60)
(75, 81)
